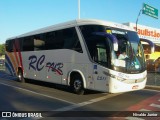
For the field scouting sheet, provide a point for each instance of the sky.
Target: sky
(21, 16)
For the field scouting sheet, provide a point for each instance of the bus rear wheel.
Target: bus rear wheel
(20, 76)
(77, 84)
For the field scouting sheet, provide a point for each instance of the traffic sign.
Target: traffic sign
(150, 11)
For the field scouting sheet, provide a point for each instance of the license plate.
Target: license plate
(135, 87)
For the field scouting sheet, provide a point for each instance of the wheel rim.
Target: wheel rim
(77, 84)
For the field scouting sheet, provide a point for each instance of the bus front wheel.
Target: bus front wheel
(77, 84)
(20, 76)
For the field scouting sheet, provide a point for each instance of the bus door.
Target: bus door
(99, 70)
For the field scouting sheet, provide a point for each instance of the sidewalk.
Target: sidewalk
(153, 81)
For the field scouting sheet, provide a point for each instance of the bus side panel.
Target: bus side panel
(101, 78)
(35, 65)
(29, 59)
(53, 65)
(12, 60)
(61, 62)
(9, 66)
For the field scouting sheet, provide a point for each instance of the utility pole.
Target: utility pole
(138, 18)
(79, 9)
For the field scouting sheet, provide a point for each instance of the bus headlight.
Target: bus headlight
(118, 78)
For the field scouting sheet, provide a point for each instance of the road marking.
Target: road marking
(155, 105)
(37, 93)
(74, 106)
(71, 107)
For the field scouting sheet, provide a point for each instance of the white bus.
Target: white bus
(82, 54)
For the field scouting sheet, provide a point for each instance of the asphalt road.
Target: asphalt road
(58, 102)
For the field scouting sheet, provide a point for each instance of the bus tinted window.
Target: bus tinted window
(54, 40)
(39, 42)
(14, 45)
(63, 39)
(28, 44)
(9, 45)
(98, 46)
(71, 40)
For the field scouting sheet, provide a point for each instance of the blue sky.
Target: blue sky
(21, 16)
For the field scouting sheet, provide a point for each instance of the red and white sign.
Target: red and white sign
(146, 32)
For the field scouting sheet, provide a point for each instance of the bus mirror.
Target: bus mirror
(150, 43)
(111, 37)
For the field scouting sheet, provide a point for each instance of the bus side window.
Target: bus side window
(63, 39)
(49, 40)
(71, 40)
(7, 45)
(58, 41)
(54, 40)
(39, 42)
(28, 44)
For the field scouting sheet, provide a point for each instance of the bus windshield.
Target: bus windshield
(129, 58)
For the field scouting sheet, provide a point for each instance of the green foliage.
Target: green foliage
(2, 49)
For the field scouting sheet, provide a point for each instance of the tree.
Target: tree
(2, 49)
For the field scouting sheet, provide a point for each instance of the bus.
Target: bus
(152, 58)
(82, 54)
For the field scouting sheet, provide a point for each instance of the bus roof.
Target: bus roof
(75, 23)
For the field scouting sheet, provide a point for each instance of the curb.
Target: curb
(153, 87)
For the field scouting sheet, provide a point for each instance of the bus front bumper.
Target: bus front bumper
(117, 86)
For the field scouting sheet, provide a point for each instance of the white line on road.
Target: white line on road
(37, 93)
(155, 105)
(74, 106)
(71, 107)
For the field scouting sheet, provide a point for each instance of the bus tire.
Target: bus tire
(77, 84)
(20, 76)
